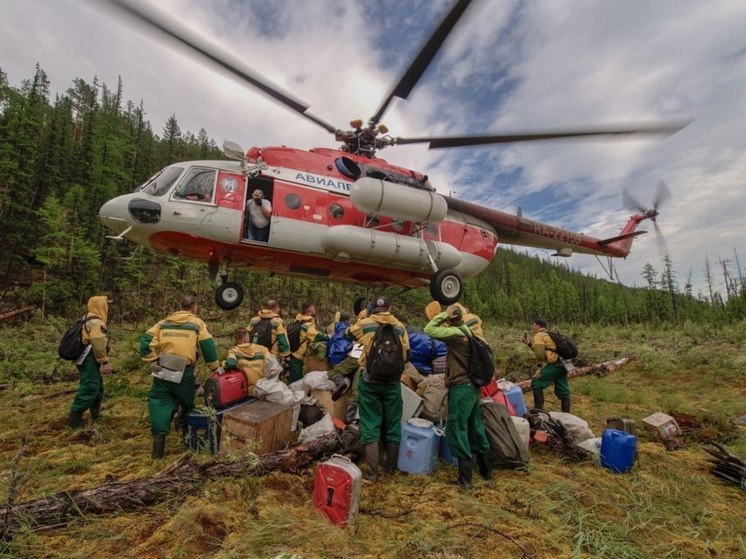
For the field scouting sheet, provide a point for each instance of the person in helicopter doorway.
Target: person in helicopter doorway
(553, 370)
(260, 211)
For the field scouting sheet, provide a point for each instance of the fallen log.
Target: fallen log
(11, 314)
(599, 369)
(178, 478)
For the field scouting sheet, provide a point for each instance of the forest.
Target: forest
(62, 158)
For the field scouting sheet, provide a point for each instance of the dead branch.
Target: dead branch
(177, 478)
(599, 369)
(11, 314)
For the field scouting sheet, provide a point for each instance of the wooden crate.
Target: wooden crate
(263, 426)
(335, 409)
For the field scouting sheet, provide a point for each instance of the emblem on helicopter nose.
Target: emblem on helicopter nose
(228, 185)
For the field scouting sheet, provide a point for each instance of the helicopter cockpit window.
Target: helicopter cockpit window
(163, 181)
(197, 186)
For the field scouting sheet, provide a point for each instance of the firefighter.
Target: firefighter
(92, 363)
(277, 340)
(172, 347)
(380, 402)
(249, 358)
(552, 371)
(308, 334)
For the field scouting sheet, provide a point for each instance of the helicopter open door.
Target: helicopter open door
(257, 225)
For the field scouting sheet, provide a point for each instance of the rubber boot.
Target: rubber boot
(565, 404)
(96, 410)
(159, 446)
(465, 466)
(538, 399)
(371, 459)
(75, 420)
(484, 466)
(341, 384)
(392, 458)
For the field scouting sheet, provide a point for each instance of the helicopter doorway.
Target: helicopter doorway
(258, 210)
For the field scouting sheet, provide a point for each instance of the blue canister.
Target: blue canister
(444, 451)
(618, 450)
(514, 394)
(418, 449)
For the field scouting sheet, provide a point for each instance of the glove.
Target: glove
(258, 201)
(218, 371)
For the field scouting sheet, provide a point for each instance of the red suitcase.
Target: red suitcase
(226, 389)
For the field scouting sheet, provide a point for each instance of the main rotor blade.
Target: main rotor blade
(158, 22)
(661, 241)
(462, 141)
(426, 55)
(630, 202)
(661, 195)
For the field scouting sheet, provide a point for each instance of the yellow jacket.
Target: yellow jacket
(308, 333)
(251, 359)
(364, 331)
(542, 345)
(94, 330)
(180, 333)
(280, 345)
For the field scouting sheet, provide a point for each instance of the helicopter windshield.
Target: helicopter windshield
(162, 182)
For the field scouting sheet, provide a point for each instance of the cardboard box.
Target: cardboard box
(334, 409)
(262, 426)
(663, 425)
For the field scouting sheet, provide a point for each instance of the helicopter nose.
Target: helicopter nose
(114, 214)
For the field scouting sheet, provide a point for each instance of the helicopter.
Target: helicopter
(341, 214)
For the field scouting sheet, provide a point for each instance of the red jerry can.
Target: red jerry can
(336, 490)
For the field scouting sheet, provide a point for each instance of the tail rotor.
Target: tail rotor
(662, 194)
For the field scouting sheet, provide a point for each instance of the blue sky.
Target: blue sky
(507, 66)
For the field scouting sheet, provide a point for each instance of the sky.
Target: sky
(508, 65)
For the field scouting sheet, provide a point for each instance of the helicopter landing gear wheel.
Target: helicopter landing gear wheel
(229, 295)
(446, 286)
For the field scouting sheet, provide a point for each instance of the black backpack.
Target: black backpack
(293, 330)
(481, 368)
(71, 345)
(385, 362)
(566, 346)
(261, 333)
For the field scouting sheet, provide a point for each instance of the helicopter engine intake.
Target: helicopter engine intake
(375, 196)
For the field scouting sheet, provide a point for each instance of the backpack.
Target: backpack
(71, 345)
(293, 330)
(261, 333)
(385, 362)
(506, 448)
(481, 367)
(566, 346)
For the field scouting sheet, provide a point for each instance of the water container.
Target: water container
(515, 396)
(618, 450)
(418, 450)
(524, 430)
(336, 489)
(444, 451)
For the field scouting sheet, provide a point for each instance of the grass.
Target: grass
(669, 505)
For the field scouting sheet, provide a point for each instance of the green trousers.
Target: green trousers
(553, 373)
(165, 397)
(380, 409)
(91, 387)
(465, 429)
(296, 369)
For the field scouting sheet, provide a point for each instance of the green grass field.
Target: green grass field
(669, 505)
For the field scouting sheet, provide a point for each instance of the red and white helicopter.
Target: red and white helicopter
(339, 214)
